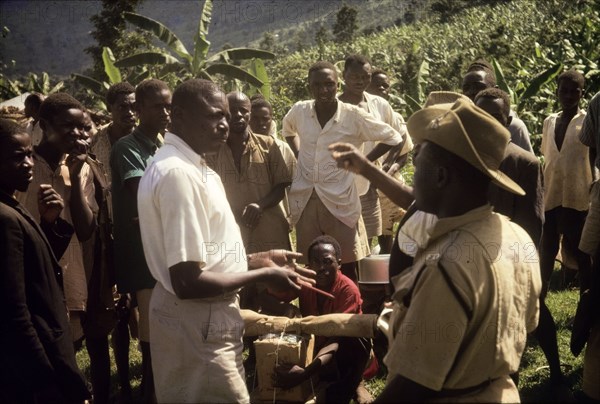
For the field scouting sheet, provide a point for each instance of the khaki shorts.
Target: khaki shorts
(371, 212)
(590, 236)
(143, 300)
(390, 214)
(316, 220)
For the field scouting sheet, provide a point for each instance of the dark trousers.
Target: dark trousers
(346, 369)
(568, 223)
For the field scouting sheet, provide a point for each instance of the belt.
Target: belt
(466, 390)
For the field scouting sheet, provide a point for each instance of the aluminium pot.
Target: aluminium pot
(374, 269)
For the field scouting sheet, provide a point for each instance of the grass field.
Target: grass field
(534, 374)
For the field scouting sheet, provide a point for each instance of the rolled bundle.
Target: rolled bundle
(327, 325)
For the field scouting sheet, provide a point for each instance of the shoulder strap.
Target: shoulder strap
(406, 299)
(456, 293)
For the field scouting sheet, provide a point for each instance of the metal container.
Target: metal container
(374, 269)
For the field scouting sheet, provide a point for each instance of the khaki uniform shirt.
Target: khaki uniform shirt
(438, 342)
(262, 167)
(74, 276)
(567, 172)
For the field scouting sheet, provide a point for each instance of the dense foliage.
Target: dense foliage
(525, 37)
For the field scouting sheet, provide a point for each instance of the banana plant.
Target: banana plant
(99, 88)
(32, 83)
(416, 95)
(532, 89)
(197, 64)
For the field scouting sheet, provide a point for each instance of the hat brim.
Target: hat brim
(424, 126)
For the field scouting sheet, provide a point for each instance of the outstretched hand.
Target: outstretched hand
(279, 257)
(285, 278)
(349, 157)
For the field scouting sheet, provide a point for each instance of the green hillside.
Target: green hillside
(51, 35)
(527, 37)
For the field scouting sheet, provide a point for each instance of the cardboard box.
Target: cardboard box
(274, 349)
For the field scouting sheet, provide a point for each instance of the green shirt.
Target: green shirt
(128, 159)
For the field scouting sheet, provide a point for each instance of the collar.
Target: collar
(147, 143)
(448, 224)
(178, 143)
(39, 158)
(338, 111)
(8, 199)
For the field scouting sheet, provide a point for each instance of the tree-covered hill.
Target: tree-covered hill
(532, 41)
(51, 35)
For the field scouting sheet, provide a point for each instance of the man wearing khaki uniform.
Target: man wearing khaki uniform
(463, 344)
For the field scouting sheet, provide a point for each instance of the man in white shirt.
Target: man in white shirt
(194, 250)
(323, 198)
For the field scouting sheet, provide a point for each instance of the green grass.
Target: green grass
(534, 375)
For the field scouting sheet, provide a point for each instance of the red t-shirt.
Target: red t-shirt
(347, 299)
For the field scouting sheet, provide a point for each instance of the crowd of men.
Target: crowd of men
(163, 223)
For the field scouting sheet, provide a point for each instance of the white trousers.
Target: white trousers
(196, 347)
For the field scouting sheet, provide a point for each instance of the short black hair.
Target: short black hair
(377, 72)
(495, 93)
(192, 91)
(123, 88)
(261, 102)
(240, 95)
(480, 64)
(148, 87)
(9, 128)
(320, 65)
(34, 99)
(257, 96)
(485, 66)
(326, 239)
(55, 103)
(355, 59)
(572, 75)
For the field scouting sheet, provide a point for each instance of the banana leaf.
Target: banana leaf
(113, 74)
(422, 80)
(139, 77)
(90, 83)
(147, 58)
(201, 44)
(257, 68)
(57, 87)
(242, 54)
(161, 32)
(412, 105)
(203, 74)
(538, 82)
(501, 81)
(234, 72)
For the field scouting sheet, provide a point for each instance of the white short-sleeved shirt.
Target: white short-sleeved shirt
(184, 215)
(567, 172)
(383, 111)
(316, 168)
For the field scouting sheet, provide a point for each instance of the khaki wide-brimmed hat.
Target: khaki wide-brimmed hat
(444, 97)
(468, 132)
